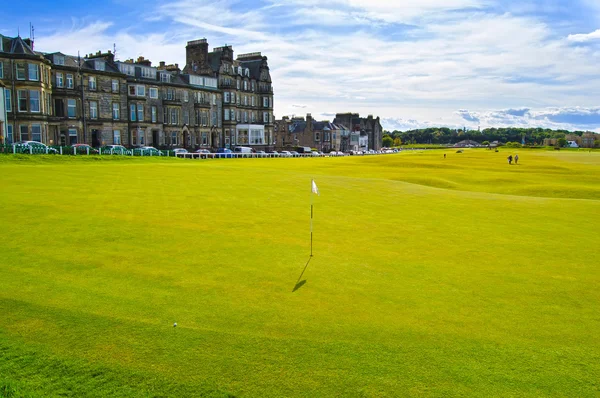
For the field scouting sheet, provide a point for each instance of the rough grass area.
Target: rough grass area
(432, 277)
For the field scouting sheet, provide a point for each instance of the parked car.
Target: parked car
(34, 147)
(261, 154)
(150, 151)
(315, 153)
(243, 149)
(84, 148)
(223, 153)
(204, 151)
(285, 154)
(274, 154)
(179, 150)
(294, 153)
(115, 150)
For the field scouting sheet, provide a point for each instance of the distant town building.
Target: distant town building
(467, 144)
(320, 135)
(369, 126)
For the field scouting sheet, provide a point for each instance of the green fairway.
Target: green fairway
(432, 277)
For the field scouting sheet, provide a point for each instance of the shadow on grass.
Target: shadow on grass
(299, 282)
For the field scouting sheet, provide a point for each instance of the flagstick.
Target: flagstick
(311, 217)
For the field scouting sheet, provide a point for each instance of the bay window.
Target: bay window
(34, 72)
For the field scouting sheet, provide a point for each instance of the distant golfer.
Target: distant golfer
(516, 159)
(509, 159)
(444, 156)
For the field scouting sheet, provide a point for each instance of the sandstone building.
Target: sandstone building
(61, 99)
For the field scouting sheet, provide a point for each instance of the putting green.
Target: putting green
(431, 276)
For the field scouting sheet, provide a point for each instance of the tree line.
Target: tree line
(445, 135)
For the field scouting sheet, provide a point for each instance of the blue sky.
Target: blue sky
(414, 63)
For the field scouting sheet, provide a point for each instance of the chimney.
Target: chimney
(196, 56)
(144, 62)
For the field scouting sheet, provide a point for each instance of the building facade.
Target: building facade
(58, 99)
(320, 135)
(369, 126)
(247, 93)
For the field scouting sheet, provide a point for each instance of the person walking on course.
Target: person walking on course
(509, 159)
(444, 156)
(516, 159)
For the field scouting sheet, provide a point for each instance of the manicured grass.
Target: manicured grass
(432, 277)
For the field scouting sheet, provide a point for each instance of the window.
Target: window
(34, 72)
(253, 99)
(7, 94)
(226, 115)
(238, 84)
(115, 86)
(92, 83)
(71, 108)
(239, 116)
(9, 133)
(186, 117)
(59, 80)
(142, 136)
(233, 98)
(165, 78)
(173, 138)
(153, 111)
(116, 111)
(34, 101)
(245, 117)
(174, 116)
(132, 112)
(128, 69)
(196, 80)
(153, 92)
(69, 80)
(265, 102)
(149, 73)
(165, 115)
(205, 118)
(117, 137)
(253, 117)
(232, 111)
(72, 136)
(257, 137)
(186, 97)
(140, 112)
(36, 132)
(137, 91)
(170, 94)
(226, 98)
(93, 110)
(24, 130)
(204, 139)
(59, 60)
(265, 117)
(253, 86)
(100, 65)
(317, 137)
(22, 100)
(1, 69)
(246, 85)
(20, 71)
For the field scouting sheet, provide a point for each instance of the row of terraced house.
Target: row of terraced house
(216, 100)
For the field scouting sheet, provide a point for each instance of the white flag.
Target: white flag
(314, 188)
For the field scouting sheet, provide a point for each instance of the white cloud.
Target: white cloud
(585, 37)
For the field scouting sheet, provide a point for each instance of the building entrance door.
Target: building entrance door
(95, 138)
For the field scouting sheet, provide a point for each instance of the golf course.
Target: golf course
(431, 276)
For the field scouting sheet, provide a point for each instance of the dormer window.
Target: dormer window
(165, 78)
(148, 73)
(100, 65)
(59, 60)
(127, 69)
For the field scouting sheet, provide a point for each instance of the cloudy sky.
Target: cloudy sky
(414, 63)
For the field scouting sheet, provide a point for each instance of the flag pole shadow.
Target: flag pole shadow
(299, 282)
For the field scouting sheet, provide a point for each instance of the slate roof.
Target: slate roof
(16, 45)
(254, 66)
